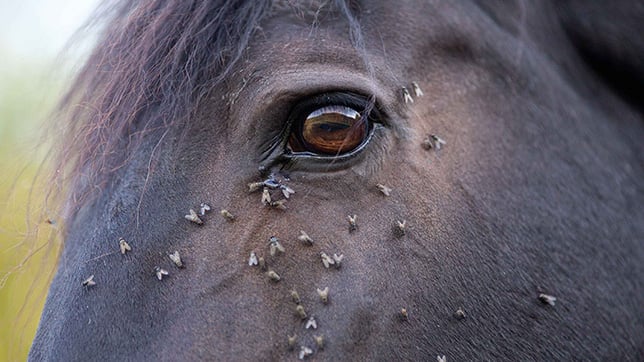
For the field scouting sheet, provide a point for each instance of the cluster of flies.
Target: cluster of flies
(275, 248)
(407, 98)
(175, 257)
(400, 226)
(328, 261)
(432, 141)
(204, 208)
(311, 323)
(270, 187)
(124, 247)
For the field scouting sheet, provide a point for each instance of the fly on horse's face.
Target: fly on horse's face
(397, 181)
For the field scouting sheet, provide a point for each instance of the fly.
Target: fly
(319, 341)
(384, 189)
(272, 275)
(286, 191)
(547, 299)
(353, 225)
(89, 282)
(305, 238)
(279, 204)
(305, 352)
(459, 314)
(253, 259)
(299, 310)
(399, 228)
(275, 246)
(203, 208)
(338, 260)
(266, 197)
(193, 217)
(433, 141)
(291, 341)
(160, 273)
(124, 246)
(311, 323)
(255, 186)
(295, 297)
(227, 215)
(417, 91)
(326, 260)
(324, 294)
(176, 259)
(403, 314)
(406, 96)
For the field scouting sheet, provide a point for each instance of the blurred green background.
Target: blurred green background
(33, 74)
(24, 100)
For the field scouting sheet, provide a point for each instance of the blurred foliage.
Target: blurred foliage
(28, 249)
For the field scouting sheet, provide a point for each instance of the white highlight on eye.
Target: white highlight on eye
(343, 110)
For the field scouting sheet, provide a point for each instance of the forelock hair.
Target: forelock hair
(154, 61)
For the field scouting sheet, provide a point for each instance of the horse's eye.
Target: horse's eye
(331, 130)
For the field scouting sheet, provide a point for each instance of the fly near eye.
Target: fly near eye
(330, 130)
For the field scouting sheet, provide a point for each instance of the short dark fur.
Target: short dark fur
(537, 191)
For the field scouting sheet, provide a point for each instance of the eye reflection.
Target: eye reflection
(330, 130)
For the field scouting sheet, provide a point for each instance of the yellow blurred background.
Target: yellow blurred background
(33, 74)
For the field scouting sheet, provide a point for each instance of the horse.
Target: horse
(362, 180)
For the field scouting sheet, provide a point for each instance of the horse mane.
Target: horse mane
(154, 62)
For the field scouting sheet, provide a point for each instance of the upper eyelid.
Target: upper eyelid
(278, 91)
(361, 103)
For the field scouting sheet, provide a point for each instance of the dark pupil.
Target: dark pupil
(333, 130)
(332, 127)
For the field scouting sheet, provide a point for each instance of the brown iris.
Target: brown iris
(330, 130)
